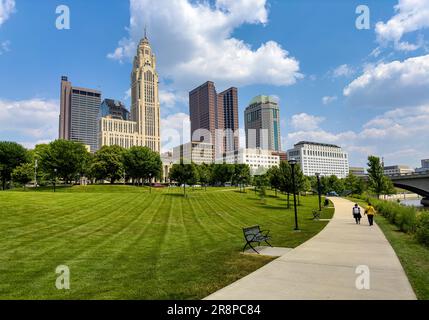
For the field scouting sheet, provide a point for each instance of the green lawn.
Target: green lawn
(414, 257)
(122, 242)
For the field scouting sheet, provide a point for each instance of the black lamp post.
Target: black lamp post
(55, 179)
(293, 163)
(319, 191)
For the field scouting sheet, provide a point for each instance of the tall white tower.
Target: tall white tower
(145, 106)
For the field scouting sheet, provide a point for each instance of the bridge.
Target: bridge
(414, 182)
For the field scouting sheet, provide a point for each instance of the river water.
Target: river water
(412, 202)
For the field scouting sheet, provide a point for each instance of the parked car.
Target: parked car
(332, 194)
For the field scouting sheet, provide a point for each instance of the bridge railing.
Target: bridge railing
(414, 174)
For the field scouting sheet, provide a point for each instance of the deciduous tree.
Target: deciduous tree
(12, 155)
(108, 163)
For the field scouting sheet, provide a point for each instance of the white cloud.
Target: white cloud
(276, 98)
(7, 7)
(169, 99)
(175, 130)
(393, 84)
(411, 15)
(382, 136)
(194, 43)
(329, 99)
(343, 70)
(304, 121)
(29, 121)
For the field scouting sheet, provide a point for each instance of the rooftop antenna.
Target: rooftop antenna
(145, 31)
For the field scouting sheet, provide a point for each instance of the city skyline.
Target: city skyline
(333, 99)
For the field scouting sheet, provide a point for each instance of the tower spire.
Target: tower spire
(145, 32)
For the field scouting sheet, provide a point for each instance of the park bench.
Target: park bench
(316, 215)
(255, 234)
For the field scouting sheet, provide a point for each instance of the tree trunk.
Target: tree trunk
(184, 189)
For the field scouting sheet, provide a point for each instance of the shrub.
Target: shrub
(422, 228)
(406, 219)
(403, 217)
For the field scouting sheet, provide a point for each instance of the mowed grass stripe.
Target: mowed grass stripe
(61, 216)
(229, 219)
(10, 204)
(71, 256)
(113, 250)
(96, 217)
(143, 246)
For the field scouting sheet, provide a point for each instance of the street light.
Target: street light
(293, 163)
(35, 174)
(55, 178)
(319, 191)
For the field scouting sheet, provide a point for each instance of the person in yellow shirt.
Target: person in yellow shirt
(370, 212)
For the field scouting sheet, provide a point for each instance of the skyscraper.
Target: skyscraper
(262, 124)
(79, 109)
(145, 106)
(203, 112)
(228, 104)
(142, 129)
(216, 114)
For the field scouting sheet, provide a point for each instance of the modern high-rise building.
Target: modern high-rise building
(79, 110)
(142, 128)
(228, 104)
(258, 160)
(262, 124)
(326, 159)
(214, 117)
(114, 109)
(193, 152)
(145, 106)
(203, 112)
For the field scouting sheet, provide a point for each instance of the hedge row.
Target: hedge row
(407, 219)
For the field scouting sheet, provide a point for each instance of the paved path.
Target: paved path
(325, 266)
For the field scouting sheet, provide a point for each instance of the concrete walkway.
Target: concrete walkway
(325, 267)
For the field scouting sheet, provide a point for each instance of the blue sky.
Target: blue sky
(366, 90)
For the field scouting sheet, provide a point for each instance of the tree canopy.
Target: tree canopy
(108, 163)
(141, 163)
(184, 174)
(69, 158)
(377, 181)
(12, 155)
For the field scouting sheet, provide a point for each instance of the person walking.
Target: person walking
(356, 213)
(370, 212)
